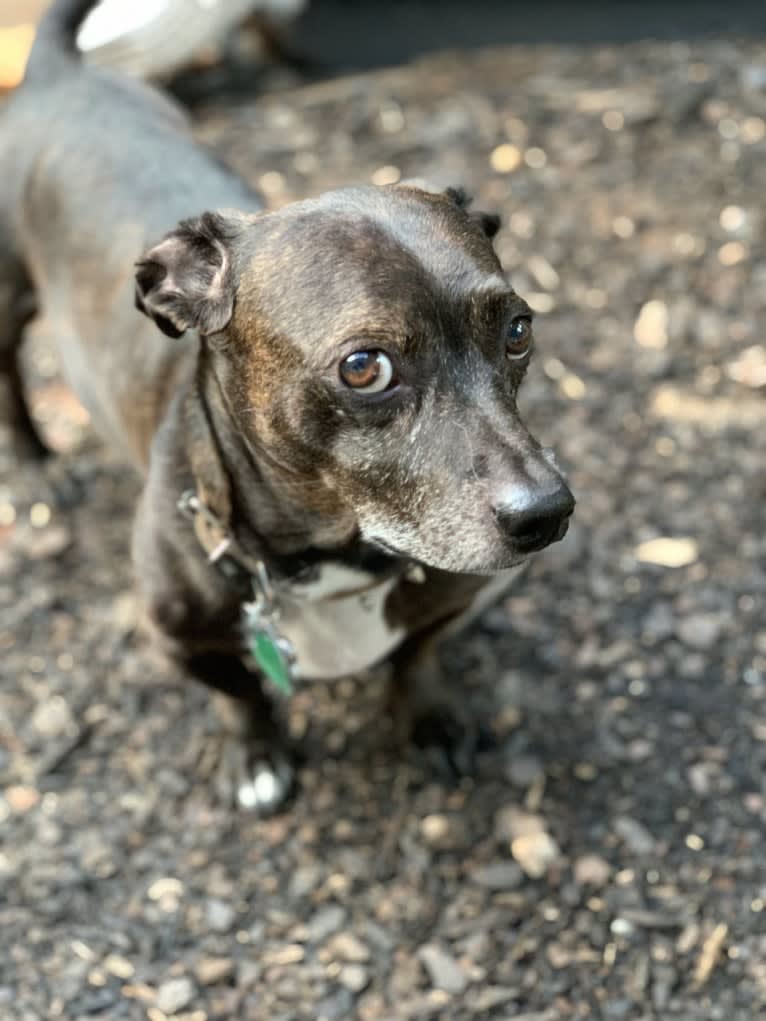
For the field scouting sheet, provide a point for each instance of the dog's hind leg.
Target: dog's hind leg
(17, 306)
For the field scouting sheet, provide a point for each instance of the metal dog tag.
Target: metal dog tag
(272, 652)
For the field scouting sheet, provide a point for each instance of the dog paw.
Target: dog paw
(268, 787)
(256, 777)
(450, 742)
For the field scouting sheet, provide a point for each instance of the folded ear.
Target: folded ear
(489, 222)
(186, 281)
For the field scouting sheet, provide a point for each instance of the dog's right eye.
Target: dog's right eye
(368, 372)
(518, 338)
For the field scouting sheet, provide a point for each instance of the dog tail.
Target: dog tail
(55, 46)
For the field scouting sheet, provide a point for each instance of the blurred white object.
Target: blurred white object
(159, 37)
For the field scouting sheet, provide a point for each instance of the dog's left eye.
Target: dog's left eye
(518, 338)
(369, 372)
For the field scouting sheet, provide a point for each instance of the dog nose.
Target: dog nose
(536, 520)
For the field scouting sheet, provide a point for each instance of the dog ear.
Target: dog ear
(186, 282)
(488, 222)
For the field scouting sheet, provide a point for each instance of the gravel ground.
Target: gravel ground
(607, 861)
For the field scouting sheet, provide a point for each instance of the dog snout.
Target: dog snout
(535, 519)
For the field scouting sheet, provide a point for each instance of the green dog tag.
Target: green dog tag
(272, 652)
(272, 661)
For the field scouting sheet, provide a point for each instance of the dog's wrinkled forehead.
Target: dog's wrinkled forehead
(435, 228)
(362, 258)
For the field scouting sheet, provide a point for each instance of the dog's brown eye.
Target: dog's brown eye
(368, 371)
(518, 339)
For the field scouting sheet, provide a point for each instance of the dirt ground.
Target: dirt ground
(608, 861)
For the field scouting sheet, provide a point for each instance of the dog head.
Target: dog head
(370, 345)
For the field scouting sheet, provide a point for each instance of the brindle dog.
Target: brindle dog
(334, 383)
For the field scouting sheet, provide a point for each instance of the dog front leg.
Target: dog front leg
(427, 712)
(254, 768)
(192, 618)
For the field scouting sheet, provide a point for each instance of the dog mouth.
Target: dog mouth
(515, 558)
(387, 547)
(514, 554)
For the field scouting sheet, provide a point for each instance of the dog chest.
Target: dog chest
(337, 622)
